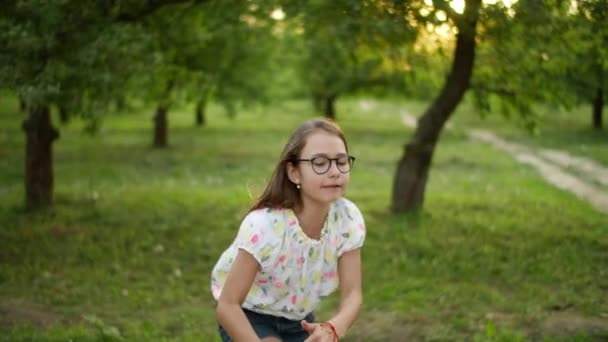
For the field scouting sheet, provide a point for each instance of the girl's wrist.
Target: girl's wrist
(331, 327)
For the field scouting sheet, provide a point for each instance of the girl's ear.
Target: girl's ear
(293, 173)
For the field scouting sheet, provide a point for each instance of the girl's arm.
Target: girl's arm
(237, 285)
(349, 273)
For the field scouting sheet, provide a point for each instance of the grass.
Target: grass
(127, 250)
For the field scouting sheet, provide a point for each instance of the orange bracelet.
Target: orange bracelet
(333, 330)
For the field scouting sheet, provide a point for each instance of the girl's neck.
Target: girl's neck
(312, 218)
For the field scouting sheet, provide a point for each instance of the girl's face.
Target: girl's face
(331, 183)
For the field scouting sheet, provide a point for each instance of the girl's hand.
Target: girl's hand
(319, 332)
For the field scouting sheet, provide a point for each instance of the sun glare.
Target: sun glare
(458, 5)
(445, 30)
(278, 14)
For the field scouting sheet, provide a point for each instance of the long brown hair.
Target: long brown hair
(280, 191)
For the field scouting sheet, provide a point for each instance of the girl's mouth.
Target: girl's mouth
(332, 186)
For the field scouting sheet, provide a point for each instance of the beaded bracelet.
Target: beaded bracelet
(333, 330)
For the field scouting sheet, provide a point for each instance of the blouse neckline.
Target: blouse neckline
(294, 222)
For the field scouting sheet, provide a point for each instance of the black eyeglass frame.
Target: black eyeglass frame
(351, 163)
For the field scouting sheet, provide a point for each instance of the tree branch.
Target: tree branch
(151, 7)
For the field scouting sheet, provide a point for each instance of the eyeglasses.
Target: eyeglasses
(322, 164)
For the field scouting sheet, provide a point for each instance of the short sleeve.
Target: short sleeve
(352, 234)
(257, 237)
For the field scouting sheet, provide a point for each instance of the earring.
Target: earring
(298, 186)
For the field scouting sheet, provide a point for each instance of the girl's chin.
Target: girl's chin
(330, 198)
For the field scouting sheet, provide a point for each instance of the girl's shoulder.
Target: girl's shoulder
(266, 214)
(347, 210)
(349, 226)
(270, 220)
(261, 233)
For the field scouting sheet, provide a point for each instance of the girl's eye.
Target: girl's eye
(343, 161)
(320, 163)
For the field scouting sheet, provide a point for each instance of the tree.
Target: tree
(547, 52)
(64, 53)
(345, 45)
(537, 51)
(220, 51)
(239, 60)
(413, 168)
(168, 30)
(592, 16)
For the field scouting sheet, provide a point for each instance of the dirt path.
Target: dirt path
(553, 165)
(21, 312)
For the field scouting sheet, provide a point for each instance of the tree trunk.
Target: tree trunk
(200, 112)
(40, 135)
(64, 117)
(22, 105)
(160, 127)
(598, 100)
(120, 103)
(161, 121)
(413, 168)
(329, 109)
(598, 106)
(317, 102)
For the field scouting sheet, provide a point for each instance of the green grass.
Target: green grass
(127, 250)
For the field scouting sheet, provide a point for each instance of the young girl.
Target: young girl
(297, 244)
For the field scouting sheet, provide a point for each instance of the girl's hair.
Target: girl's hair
(280, 191)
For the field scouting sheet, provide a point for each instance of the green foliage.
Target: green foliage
(242, 58)
(83, 55)
(66, 53)
(348, 47)
(221, 50)
(540, 52)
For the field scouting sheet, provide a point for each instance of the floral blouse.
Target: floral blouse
(296, 271)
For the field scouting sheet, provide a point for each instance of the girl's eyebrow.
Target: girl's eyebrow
(342, 154)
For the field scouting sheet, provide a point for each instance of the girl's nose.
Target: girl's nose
(333, 168)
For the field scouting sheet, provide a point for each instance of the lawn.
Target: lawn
(126, 253)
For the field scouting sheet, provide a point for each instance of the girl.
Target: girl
(298, 242)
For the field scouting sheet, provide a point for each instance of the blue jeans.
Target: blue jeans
(267, 325)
